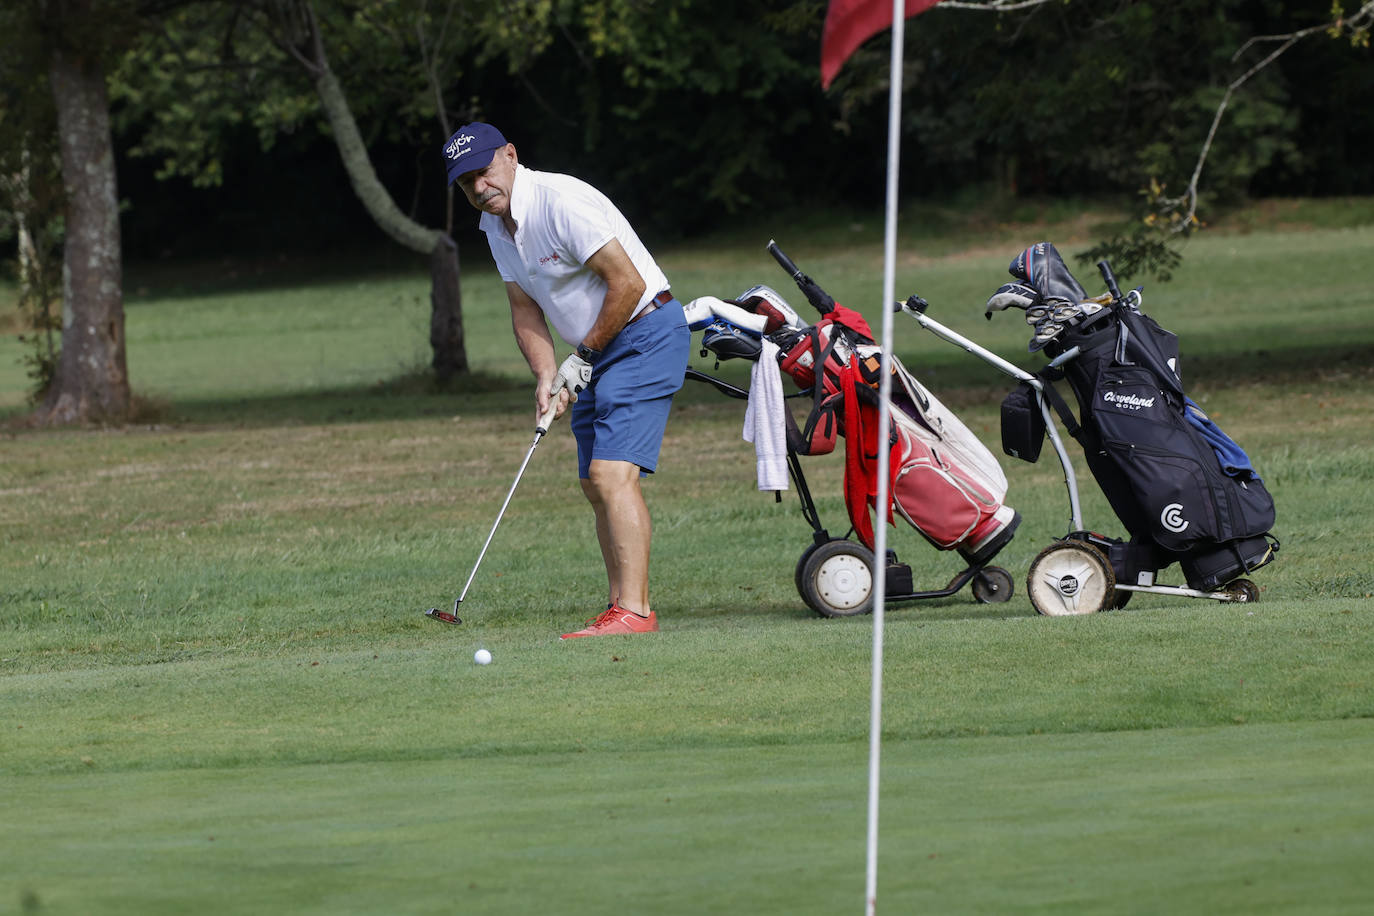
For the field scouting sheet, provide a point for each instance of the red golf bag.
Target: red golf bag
(943, 481)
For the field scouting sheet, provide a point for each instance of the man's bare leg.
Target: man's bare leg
(623, 530)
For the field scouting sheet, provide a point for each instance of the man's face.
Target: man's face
(488, 188)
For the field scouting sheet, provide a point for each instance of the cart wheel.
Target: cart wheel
(992, 585)
(1241, 590)
(801, 565)
(1070, 578)
(837, 579)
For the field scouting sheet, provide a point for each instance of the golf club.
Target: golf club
(544, 423)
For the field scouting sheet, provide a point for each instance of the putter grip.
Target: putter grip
(1109, 278)
(547, 419)
(819, 298)
(784, 261)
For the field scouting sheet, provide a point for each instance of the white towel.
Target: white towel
(764, 421)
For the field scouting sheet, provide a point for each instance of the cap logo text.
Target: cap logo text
(458, 146)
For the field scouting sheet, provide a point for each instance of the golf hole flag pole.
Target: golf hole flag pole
(848, 24)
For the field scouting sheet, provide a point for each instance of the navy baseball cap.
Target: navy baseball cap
(471, 147)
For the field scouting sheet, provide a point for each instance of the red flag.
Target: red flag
(849, 23)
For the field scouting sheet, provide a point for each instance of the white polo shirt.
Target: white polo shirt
(562, 221)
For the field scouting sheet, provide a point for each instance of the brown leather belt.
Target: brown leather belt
(662, 298)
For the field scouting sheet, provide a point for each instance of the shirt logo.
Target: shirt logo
(458, 146)
(549, 257)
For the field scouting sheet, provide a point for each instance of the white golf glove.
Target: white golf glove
(575, 374)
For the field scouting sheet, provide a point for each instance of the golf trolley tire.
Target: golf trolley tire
(837, 579)
(801, 565)
(1069, 578)
(1242, 591)
(992, 585)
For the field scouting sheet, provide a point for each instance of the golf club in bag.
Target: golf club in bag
(543, 427)
(1184, 490)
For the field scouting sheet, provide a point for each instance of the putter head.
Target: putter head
(444, 616)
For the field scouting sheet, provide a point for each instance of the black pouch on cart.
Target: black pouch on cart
(1211, 569)
(898, 577)
(1134, 562)
(1023, 425)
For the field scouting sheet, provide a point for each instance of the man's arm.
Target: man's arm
(624, 287)
(536, 343)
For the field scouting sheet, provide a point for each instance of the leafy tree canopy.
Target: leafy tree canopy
(693, 111)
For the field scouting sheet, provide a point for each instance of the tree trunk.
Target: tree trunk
(446, 315)
(92, 382)
(446, 312)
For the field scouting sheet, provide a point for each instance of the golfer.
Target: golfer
(569, 257)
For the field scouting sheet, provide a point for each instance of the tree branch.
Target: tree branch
(1170, 207)
(430, 63)
(993, 6)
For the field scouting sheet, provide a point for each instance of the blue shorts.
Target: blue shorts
(622, 414)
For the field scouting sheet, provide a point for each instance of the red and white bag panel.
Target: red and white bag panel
(945, 483)
(951, 503)
(956, 452)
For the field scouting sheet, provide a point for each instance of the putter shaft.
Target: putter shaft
(543, 427)
(538, 434)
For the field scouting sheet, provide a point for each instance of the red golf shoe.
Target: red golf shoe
(616, 621)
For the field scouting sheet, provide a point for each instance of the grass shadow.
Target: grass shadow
(961, 380)
(152, 281)
(1281, 365)
(407, 397)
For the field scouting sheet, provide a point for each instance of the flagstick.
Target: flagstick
(894, 121)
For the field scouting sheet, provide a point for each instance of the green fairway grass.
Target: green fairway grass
(218, 693)
(1245, 819)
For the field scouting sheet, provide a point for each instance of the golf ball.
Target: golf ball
(482, 657)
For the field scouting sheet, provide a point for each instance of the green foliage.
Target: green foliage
(189, 89)
(1141, 252)
(709, 101)
(216, 69)
(31, 195)
(1089, 95)
(44, 323)
(693, 111)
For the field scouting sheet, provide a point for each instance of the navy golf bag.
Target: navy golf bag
(1184, 490)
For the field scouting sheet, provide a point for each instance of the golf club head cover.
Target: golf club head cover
(730, 341)
(700, 312)
(765, 301)
(704, 311)
(1011, 295)
(575, 374)
(741, 317)
(1044, 270)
